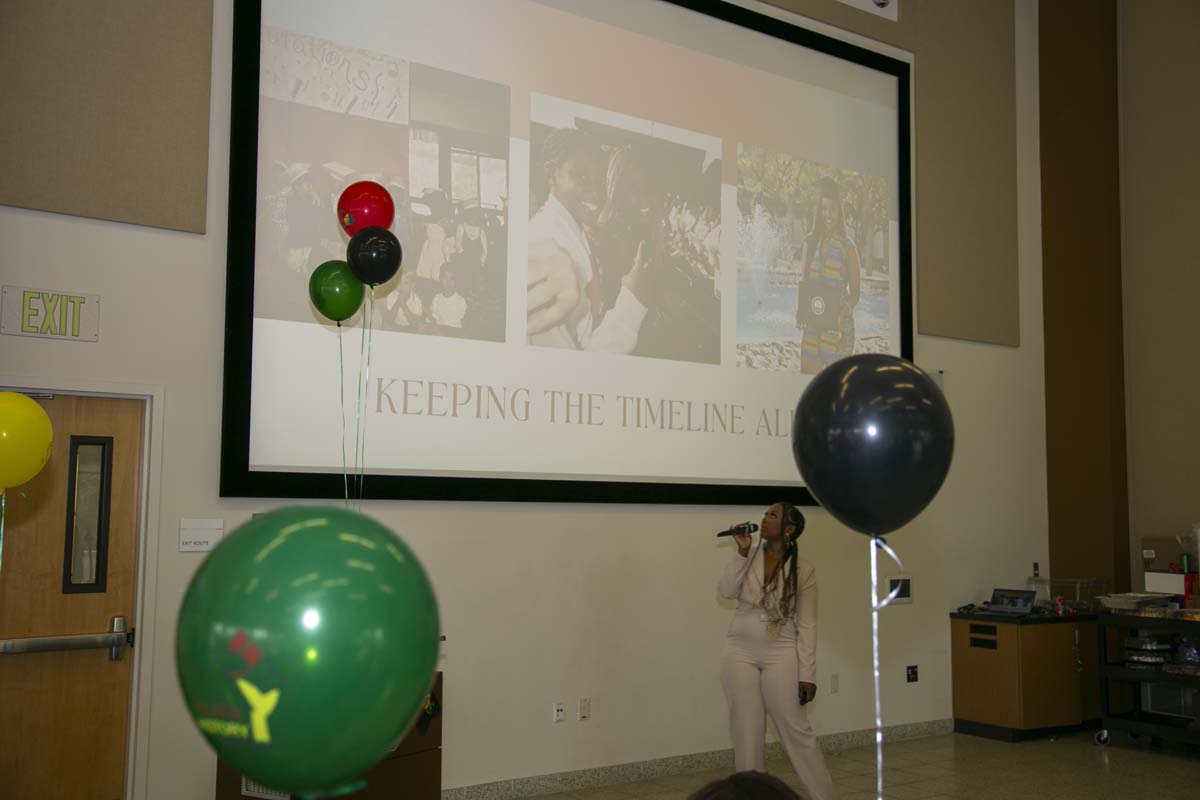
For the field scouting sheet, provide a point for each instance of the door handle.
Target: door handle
(115, 641)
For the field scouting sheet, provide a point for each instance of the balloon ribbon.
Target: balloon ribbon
(877, 543)
(364, 376)
(367, 398)
(342, 400)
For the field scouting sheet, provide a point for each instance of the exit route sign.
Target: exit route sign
(50, 314)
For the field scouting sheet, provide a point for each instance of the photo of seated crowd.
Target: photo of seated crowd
(447, 172)
(454, 224)
(320, 153)
(453, 280)
(455, 232)
(623, 237)
(813, 267)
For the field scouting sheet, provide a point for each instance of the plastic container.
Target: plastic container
(1079, 593)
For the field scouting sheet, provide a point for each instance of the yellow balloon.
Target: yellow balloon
(25, 439)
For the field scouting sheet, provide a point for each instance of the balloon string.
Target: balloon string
(3, 510)
(363, 463)
(362, 347)
(877, 544)
(875, 663)
(887, 601)
(342, 402)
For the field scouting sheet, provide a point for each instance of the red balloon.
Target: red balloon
(365, 204)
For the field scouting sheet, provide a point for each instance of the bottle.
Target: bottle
(1040, 586)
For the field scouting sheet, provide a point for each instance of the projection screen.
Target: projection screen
(632, 232)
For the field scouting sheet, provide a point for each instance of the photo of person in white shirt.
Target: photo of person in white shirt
(573, 166)
(448, 307)
(621, 209)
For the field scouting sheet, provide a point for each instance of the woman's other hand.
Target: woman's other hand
(637, 280)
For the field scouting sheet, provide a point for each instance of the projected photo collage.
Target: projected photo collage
(632, 233)
(623, 246)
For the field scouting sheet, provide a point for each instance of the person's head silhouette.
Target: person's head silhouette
(746, 786)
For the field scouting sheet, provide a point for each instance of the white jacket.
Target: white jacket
(743, 581)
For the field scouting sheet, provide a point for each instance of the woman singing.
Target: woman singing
(770, 652)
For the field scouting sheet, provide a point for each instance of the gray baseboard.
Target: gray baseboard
(675, 765)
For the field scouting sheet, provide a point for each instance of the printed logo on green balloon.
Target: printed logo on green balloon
(226, 720)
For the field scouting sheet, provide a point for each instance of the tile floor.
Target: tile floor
(958, 767)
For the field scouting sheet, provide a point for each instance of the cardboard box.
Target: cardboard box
(1159, 552)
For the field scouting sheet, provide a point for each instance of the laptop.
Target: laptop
(818, 304)
(1011, 601)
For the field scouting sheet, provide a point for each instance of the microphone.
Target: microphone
(743, 527)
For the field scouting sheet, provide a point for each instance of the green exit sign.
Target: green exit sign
(50, 314)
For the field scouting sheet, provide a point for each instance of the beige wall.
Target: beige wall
(965, 167)
(544, 603)
(108, 94)
(1159, 70)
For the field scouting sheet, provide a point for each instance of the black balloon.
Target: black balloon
(374, 255)
(873, 439)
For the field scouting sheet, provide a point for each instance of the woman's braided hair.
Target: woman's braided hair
(785, 572)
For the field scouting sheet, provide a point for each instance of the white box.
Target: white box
(1165, 582)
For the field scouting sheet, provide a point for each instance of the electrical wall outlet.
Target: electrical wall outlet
(560, 712)
(585, 708)
(911, 673)
(834, 683)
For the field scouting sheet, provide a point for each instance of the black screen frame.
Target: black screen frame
(238, 480)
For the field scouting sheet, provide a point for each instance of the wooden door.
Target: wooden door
(64, 715)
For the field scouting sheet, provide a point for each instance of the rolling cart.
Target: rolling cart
(1142, 721)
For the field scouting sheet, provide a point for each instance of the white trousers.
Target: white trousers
(760, 678)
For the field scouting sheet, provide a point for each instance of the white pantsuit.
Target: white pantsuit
(761, 672)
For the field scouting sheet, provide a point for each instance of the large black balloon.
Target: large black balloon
(873, 439)
(374, 255)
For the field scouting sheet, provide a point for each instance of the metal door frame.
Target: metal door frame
(137, 739)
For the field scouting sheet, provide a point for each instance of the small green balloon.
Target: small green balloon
(334, 290)
(305, 647)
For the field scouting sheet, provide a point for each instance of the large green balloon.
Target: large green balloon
(334, 290)
(305, 646)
